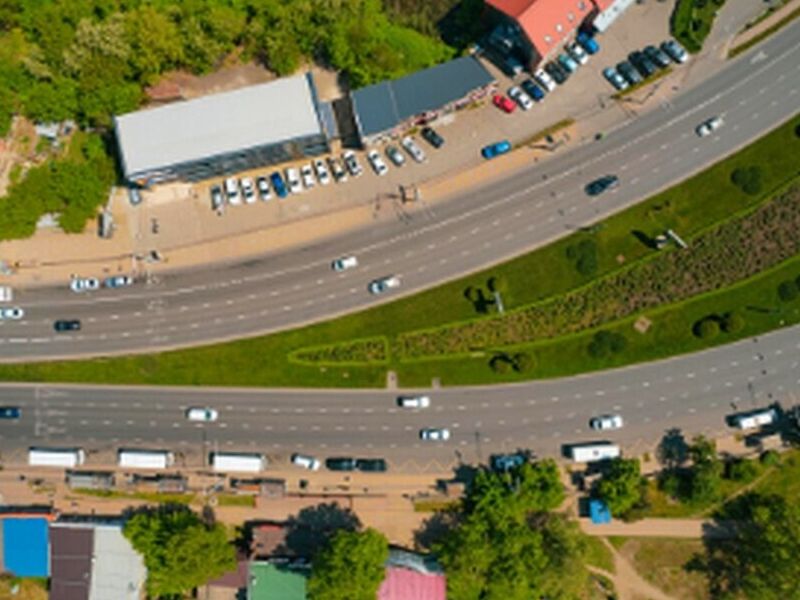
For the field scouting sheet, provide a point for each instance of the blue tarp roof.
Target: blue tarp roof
(25, 547)
(599, 513)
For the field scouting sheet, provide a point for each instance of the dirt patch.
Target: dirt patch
(663, 562)
(223, 80)
(26, 589)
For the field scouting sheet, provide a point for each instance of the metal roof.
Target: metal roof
(26, 548)
(71, 562)
(381, 106)
(153, 139)
(118, 571)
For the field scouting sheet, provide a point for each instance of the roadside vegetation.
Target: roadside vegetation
(692, 20)
(783, 22)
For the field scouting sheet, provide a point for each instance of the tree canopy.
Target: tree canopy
(621, 486)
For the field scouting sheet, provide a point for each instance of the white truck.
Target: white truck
(145, 459)
(238, 462)
(56, 457)
(584, 453)
(6, 293)
(753, 419)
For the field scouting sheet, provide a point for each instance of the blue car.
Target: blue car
(10, 412)
(278, 185)
(496, 149)
(588, 42)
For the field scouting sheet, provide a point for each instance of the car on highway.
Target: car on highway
(232, 191)
(394, 154)
(568, 63)
(217, 199)
(344, 263)
(520, 97)
(430, 135)
(293, 180)
(675, 51)
(496, 149)
(321, 171)
(352, 164)
(248, 190)
(434, 434)
(340, 463)
(278, 185)
(630, 74)
(658, 56)
(413, 149)
(339, 172)
(308, 176)
(62, 325)
(10, 412)
(709, 126)
(377, 163)
(118, 281)
(305, 461)
(588, 42)
(615, 79)
(557, 72)
(379, 286)
(414, 401)
(606, 422)
(600, 185)
(503, 103)
(533, 90)
(263, 188)
(11, 313)
(371, 465)
(84, 284)
(544, 79)
(202, 414)
(577, 52)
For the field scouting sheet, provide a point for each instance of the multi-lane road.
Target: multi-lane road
(485, 225)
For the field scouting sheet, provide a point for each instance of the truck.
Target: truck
(132, 458)
(755, 418)
(56, 457)
(584, 453)
(6, 293)
(238, 462)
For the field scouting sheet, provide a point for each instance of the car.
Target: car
(544, 79)
(352, 164)
(67, 325)
(598, 186)
(306, 462)
(658, 56)
(413, 149)
(308, 176)
(134, 196)
(377, 163)
(293, 180)
(371, 465)
(321, 172)
(557, 72)
(232, 191)
(630, 74)
(520, 98)
(10, 412)
(203, 414)
(605, 422)
(588, 42)
(675, 51)
(340, 463)
(344, 263)
(118, 281)
(708, 126)
(496, 149)
(414, 401)
(505, 462)
(642, 64)
(248, 191)
(84, 284)
(394, 154)
(432, 137)
(263, 188)
(577, 52)
(379, 286)
(339, 172)
(434, 434)
(278, 185)
(503, 103)
(533, 90)
(567, 62)
(11, 313)
(615, 79)
(217, 200)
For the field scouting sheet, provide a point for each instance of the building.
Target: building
(90, 480)
(276, 581)
(24, 544)
(386, 109)
(608, 11)
(224, 133)
(412, 576)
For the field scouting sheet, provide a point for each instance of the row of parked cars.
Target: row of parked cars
(642, 64)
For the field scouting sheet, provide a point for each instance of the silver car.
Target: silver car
(434, 434)
(413, 149)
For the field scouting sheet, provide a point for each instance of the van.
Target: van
(753, 419)
(594, 451)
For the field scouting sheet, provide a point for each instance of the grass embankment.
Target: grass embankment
(692, 20)
(736, 50)
(689, 208)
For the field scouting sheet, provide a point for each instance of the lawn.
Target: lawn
(598, 554)
(692, 20)
(784, 479)
(664, 562)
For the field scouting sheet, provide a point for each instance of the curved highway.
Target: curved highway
(754, 93)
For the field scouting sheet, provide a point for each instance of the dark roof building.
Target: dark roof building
(71, 563)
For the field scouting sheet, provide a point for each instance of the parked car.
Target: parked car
(675, 51)
(606, 422)
(352, 164)
(84, 284)
(339, 172)
(293, 180)
(134, 196)
(278, 185)
(505, 462)
(658, 56)
(503, 103)
(118, 281)
(67, 325)
(232, 191)
(434, 434)
(615, 79)
(248, 191)
(394, 154)
(642, 64)
(321, 171)
(598, 186)
(520, 98)
(340, 463)
(379, 286)
(306, 462)
(377, 163)
(216, 197)
(308, 176)
(10, 412)
(568, 63)
(709, 126)
(11, 313)
(630, 74)
(533, 90)
(496, 149)
(557, 72)
(432, 137)
(263, 188)
(414, 401)
(344, 263)
(588, 42)
(205, 415)
(577, 52)
(413, 149)
(545, 80)
(371, 465)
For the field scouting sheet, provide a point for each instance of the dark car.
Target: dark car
(643, 64)
(340, 463)
(433, 138)
(371, 465)
(557, 72)
(533, 90)
(598, 186)
(658, 56)
(278, 185)
(67, 325)
(10, 412)
(216, 197)
(630, 74)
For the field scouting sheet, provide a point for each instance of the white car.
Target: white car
(377, 162)
(352, 164)
(308, 176)
(293, 180)
(709, 126)
(411, 147)
(520, 98)
(544, 80)
(306, 462)
(322, 172)
(344, 263)
(232, 191)
(606, 422)
(263, 188)
(248, 191)
(12, 313)
(414, 401)
(84, 284)
(118, 281)
(202, 414)
(378, 286)
(578, 53)
(434, 434)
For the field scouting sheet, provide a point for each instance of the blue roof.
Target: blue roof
(599, 513)
(25, 547)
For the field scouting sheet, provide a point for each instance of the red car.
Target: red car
(503, 103)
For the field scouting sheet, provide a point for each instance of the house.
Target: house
(412, 576)
(276, 581)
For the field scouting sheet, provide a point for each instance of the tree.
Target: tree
(350, 568)
(705, 477)
(733, 322)
(621, 485)
(707, 328)
(524, 362)
(180, 551)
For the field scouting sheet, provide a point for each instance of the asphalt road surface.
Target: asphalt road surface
(484, 226)
(693, 393)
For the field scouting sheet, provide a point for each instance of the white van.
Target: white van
(584, 453)
(753, 419)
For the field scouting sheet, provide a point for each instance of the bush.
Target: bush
(733, 322)
(787, 290)
(797, 282)
(797, 130)
(501, 365)
(770, 458)
(747, 179)
(742, 470)
(706, 329)
(523, 362)
(584, 255)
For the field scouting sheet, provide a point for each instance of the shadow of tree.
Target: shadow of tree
(434, 529)
(481, 302)
(673, 450)
(309, 530)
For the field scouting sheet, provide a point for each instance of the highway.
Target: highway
(486, 225)
(693, 393)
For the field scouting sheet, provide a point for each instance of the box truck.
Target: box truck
(584, 453)
(56, 457)
(131, 458)
(237, 462)
(756, 418)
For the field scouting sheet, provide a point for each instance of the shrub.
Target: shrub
(706, 329)
(770, 458)
(787, 290)
(742, 470)
(501, 365)
(733, 322)
(584, 254)
(523, 362)
(797, 130)
(747, 179)
(606, 343)
(797, 282)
